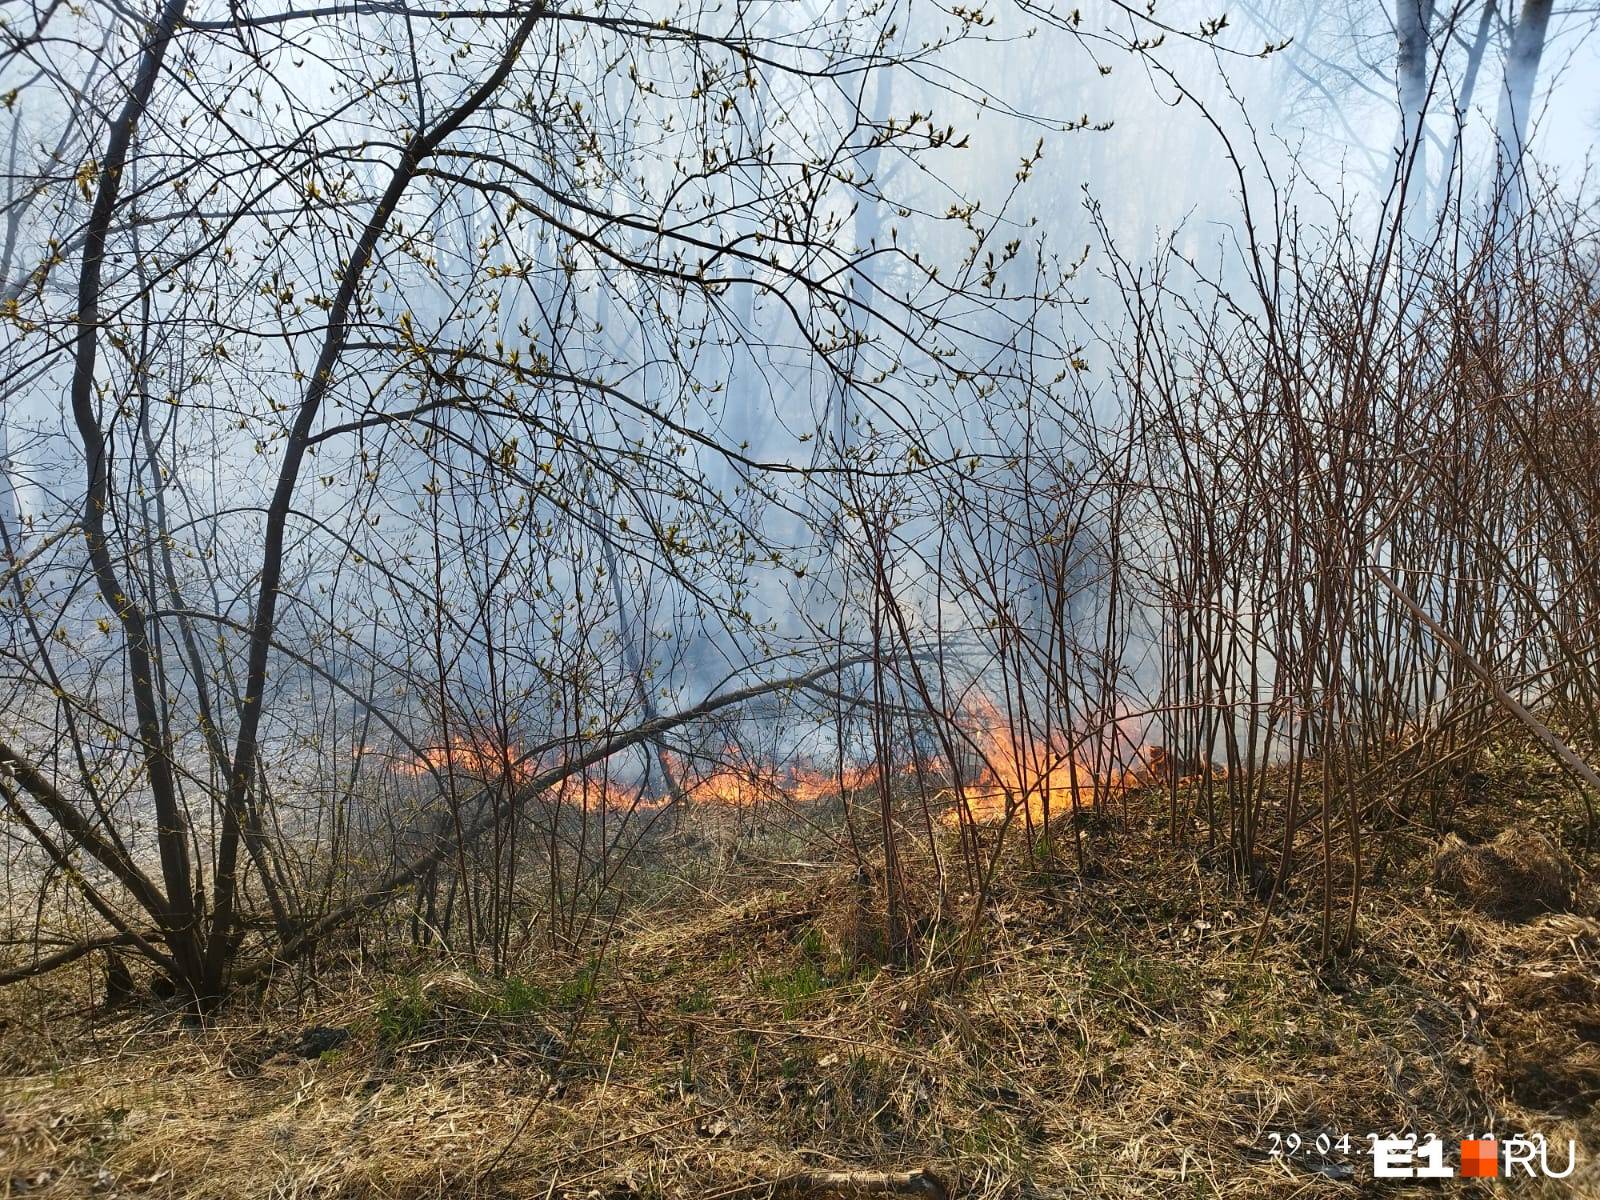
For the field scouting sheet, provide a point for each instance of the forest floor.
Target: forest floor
(1128, 1029)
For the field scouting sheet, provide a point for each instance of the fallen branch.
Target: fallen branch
(72, 953)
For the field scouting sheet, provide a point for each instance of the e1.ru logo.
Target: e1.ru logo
(1407, 1158)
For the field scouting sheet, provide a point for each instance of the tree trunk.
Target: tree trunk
(1463, 100)
(1413, 20)
(1516, 102)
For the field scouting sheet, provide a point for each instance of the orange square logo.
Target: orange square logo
(1480, 1158)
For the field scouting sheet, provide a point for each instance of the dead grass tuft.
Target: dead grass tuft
(1519, 874)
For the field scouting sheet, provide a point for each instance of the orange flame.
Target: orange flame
(743, 787)
(1021, 774)
(480, 757)
(1034, 776)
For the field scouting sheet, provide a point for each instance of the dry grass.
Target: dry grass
(1516, 875)
(1123, 1035)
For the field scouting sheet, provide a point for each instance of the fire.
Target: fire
(479, 758)
(1038, 776)
(1020, 774)
(744, 787)
(730, 786)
